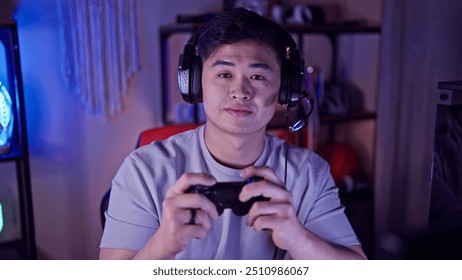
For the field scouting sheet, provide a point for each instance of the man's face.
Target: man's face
(240, 85)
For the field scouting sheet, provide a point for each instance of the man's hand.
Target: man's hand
(175, 229)
(279, 216)
(276, 215)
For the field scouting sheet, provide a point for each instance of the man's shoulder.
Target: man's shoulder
(297, 155)
(178, 143)
(275, 142)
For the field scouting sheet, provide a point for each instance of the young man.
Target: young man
(152, 216)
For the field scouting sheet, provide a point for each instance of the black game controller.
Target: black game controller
(226, 195)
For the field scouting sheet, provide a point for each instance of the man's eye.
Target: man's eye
(257, 77)
(224, 75)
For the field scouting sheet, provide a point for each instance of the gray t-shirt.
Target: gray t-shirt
(140, 185)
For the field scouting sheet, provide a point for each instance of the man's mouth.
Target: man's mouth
(238, 111)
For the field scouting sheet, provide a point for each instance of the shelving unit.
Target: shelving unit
(331, 31)
(21, 246)
(358, 205)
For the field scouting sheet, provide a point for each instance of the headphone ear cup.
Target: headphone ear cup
(196, 80)
(285, 84)
(190, 77)
(291, 82)
(190, 71)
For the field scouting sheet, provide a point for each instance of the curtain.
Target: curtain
(421, 45)
(100, 48)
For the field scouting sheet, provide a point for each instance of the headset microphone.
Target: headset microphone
(304, 110)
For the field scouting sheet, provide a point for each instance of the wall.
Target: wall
(74, 155)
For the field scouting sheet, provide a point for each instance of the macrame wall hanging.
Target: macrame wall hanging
(100, 46)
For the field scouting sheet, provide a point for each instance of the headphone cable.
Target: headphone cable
(276, 249)
(286, 144)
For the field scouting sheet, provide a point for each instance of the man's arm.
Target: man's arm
(278, 215)
(175, 231)
(116, 254)
(310, 246)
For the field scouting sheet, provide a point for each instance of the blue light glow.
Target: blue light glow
(6, 116)
(1, 217)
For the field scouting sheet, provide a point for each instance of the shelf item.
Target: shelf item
(17, 239)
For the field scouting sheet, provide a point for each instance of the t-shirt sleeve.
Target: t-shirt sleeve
(133, 212)
(326, 217)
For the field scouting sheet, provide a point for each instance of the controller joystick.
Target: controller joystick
(226, 195)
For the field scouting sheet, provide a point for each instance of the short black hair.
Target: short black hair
(240, 24)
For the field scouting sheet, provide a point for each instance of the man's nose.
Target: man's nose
(242, 89)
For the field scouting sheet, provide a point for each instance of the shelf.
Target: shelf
(278, 120)
(355, 116)
(333, 29)
(293, 28)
